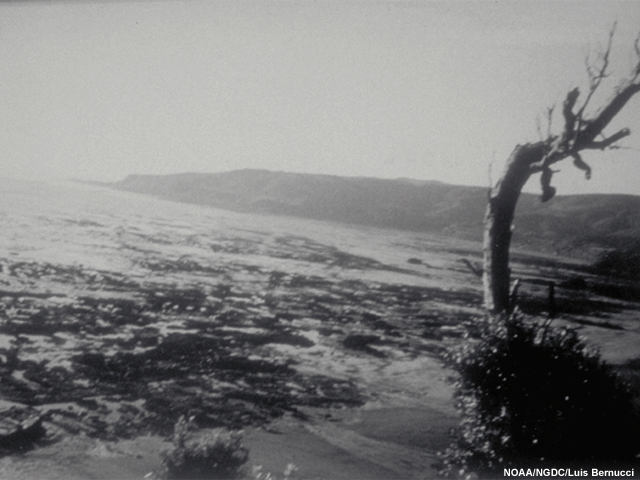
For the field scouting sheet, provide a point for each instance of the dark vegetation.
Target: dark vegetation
(536, 396)
(219, 455)
(621, 263)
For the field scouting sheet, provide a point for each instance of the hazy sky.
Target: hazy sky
(420, 89)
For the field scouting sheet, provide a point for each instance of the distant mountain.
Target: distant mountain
(579, 225)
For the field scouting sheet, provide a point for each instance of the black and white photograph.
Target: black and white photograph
(319, 239)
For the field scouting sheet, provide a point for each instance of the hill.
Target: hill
(579, 225)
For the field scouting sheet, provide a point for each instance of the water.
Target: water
(68, 223)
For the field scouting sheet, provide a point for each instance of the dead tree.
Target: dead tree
(579, 132)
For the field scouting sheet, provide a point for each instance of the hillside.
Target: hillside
(578, 225)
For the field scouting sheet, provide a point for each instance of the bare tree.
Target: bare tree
(579, 132)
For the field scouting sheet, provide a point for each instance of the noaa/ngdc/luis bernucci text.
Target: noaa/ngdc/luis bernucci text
(566, 472)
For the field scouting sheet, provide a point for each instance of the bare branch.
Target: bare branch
(539, 128)
(578, 133)
(549, 114)
(626, 89)
(569, 116)
(551, 153)
(610, 109)
(548, 192)
(608, 142)
(596, 75)
(636, 47)
(579, 163)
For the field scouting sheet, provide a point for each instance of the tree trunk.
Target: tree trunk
(498, 220)
(579, 133)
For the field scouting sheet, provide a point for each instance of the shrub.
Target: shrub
(535, 396)
(620, 263)
(219, 455)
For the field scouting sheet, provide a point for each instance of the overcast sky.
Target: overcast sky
(421, 89)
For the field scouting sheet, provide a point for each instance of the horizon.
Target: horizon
(430, 91)
(363, 177)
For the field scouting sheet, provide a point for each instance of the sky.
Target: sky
(430, 90)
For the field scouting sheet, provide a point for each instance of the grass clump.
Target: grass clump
(219, 455)
(288, 474)
(532, 395)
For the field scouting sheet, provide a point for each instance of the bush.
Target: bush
(535, 396)
(219, 455)
(620, 263)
